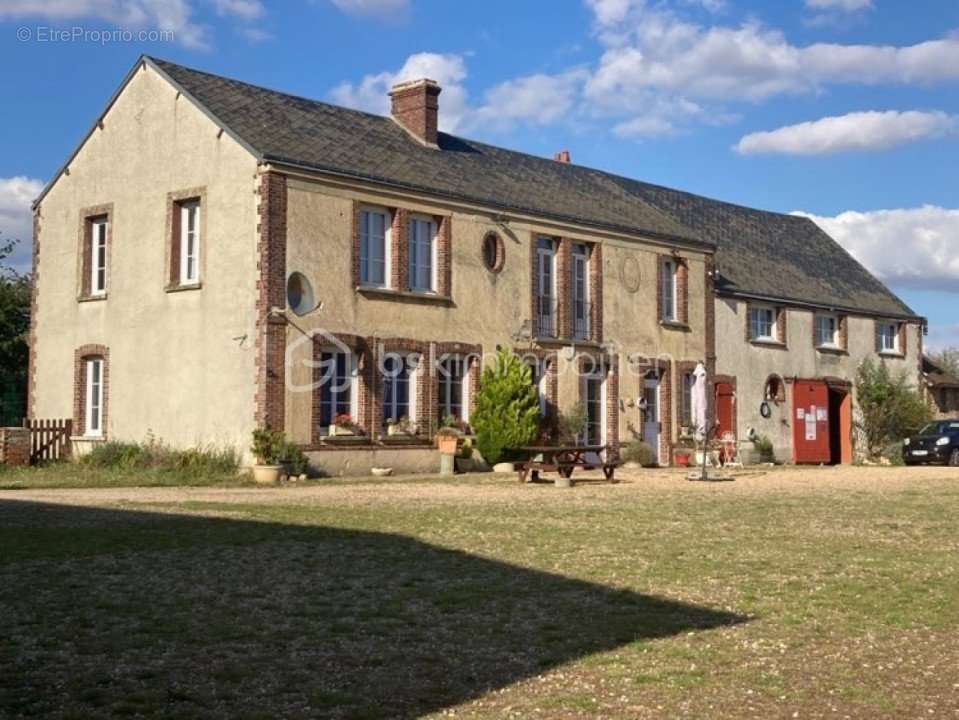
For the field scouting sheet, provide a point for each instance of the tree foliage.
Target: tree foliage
(506, 414)
(947, 359)
(890, 409)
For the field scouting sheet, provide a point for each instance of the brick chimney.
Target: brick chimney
(562, 156)
(415, 106)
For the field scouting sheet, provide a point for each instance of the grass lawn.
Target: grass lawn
(77, 475)
(798, 593)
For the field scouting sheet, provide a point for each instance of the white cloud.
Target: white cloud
(537, 99)
(908, 248)
(16, 220)
(839, 5)
(372, 7)
(371, 93)
(243, 9)
(170, 15)
(858, 131)
(651, 48)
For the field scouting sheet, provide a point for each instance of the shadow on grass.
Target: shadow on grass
(111, 612)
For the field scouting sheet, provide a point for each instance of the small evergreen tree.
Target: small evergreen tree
(889, 408)
(506, 415)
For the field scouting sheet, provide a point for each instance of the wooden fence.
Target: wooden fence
(49, 439)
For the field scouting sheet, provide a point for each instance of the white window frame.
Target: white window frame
(549, 253)
(367, 211)
(354, 385)
(413, 361)
(579, 263)
(99, 232)
(414, 220)
(893, 326)
(189, 260)
(599, 374)
(443, 378)
(834, 341)
(772, 337)
(93, 398)
(670, 301)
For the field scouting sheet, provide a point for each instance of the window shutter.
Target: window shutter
(659, 288)
(877, 336)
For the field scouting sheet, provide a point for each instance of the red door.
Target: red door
(810, 422)
(724, 409)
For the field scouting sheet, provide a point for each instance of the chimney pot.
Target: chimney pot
(415, 106)
(562, 156)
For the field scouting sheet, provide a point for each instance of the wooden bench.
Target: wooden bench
(564, 460)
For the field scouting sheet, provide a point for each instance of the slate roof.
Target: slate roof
(936, 376)
(758, 253)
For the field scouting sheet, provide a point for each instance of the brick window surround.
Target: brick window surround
(609, 363)
(563, 277)
(551, 360)
(422, 385)
(473, 355)
(782, 330)
(85, 246)
(362, 348)
(902, 335)
(681, 281)
(80, 357)
(663, 369)
(174, 201)
(398, 272)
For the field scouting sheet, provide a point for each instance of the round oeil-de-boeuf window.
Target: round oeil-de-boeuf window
(494, 254)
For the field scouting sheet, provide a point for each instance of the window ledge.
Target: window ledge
(91, 298)
(550, 341)
(891, 354)
(831, 350)
(674, 325)
(375, 293)
(176, 287)
(771, 344)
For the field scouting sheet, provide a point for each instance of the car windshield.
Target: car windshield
(938, 428)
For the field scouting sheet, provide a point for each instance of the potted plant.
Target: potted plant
(268, 449)
(343, 425)
(764, 446)
(683, 452)
(464, 458)
(447, 439)
(399, 427)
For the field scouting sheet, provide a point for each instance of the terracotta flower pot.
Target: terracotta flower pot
(681, 459)
(447, 444)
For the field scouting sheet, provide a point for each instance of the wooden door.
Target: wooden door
(725, 399)
(810, 422)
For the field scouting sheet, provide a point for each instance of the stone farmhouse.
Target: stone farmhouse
(216, 257)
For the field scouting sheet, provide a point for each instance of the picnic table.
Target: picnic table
(564, 459)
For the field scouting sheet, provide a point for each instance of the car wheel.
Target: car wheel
(954, 458)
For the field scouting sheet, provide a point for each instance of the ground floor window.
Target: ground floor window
(539, 370)
(592, 397)
(93, 422)
(337, 387)
(399, 393)
(451, 373)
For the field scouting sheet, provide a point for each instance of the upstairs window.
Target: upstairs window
(668, 290)
(827, 331)
(189, 242)
(579, 290)
(99, 227)
(374, 247)
(887, 337)
(422, 242)
(546, 310)
(762, 323)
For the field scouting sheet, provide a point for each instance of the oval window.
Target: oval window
(494, 254)
(299, 294)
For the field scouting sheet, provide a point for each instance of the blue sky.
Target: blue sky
(847, 110)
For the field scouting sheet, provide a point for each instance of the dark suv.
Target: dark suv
(938, 442)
